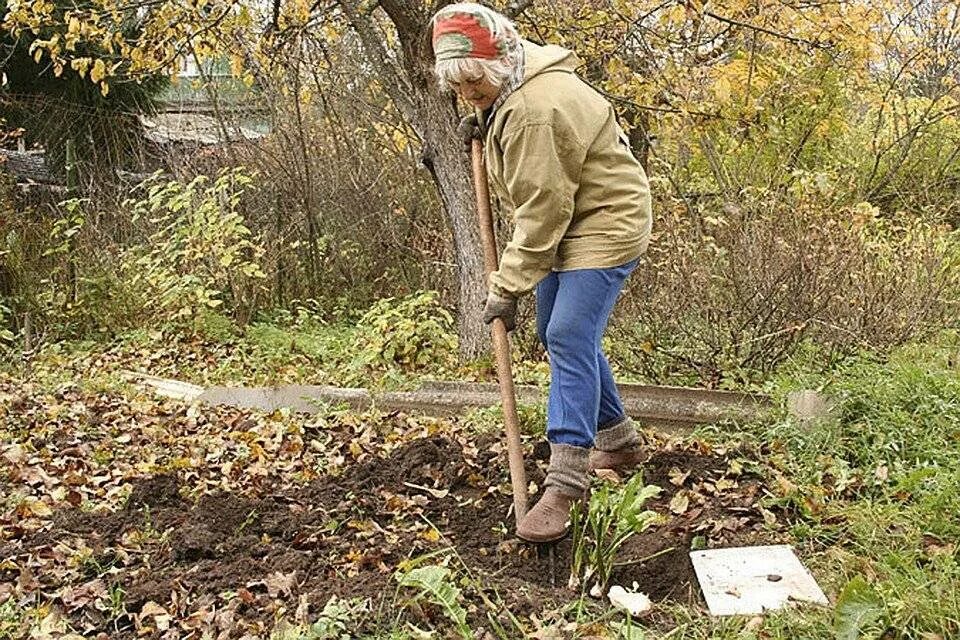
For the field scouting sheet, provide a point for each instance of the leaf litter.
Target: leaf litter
(126, 516)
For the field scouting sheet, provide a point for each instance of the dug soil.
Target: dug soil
(351, 534)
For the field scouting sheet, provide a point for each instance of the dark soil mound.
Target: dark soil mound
(349, 534)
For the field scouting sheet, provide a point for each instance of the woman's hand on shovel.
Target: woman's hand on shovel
(469, 130)
(501, 307)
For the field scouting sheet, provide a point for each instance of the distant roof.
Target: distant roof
(164, 128)
(28, 166)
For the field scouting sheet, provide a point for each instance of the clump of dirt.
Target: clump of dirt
(155, 491)
(349, 534)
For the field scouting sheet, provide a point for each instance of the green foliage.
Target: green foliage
(896, 425)
(433, 584)
(869, 489)
(858, 608)
(201, 254)
(65, 229)
(611, 518)
(214, 326)
(335, 622)
(11, 615)
(6, 335)
(413, 333)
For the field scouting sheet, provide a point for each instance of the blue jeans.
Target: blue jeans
(573, 308)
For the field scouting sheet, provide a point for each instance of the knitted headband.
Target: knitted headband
(468, 30)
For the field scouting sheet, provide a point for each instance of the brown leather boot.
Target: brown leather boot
(566, 482)
(622, 460)
(617, 447)
(549, 518)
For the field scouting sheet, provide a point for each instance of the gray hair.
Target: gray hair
(458, 70)
(498, 72)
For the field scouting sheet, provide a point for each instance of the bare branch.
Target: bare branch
(771, 32)
(395, 85)
(516, 7)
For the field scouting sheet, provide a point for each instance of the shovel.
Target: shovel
(501, 341)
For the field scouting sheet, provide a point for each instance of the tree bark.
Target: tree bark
(433, 117)
(443, 156)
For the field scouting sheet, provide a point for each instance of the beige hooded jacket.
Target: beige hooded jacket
(558, 160)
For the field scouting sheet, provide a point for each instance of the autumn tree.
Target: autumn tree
(56, 100)
(737, 106)
(393, 40)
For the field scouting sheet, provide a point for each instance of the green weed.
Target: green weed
(611, 517)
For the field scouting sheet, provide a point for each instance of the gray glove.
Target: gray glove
(500, 307)
(469, 130)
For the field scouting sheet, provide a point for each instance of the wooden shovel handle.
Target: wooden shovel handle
(501, 340)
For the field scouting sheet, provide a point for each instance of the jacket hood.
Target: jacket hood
(542, 59)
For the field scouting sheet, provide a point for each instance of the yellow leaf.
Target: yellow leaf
(39, 509)
(680, 503)
(98, 72)
(722, 89)
(430, 535)
(724, 484)
(104, 89)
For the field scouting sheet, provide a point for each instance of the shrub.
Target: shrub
(413, 333)
(727, 303)
(201, 254)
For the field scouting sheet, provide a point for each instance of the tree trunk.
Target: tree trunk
(443, 155)
(433, 117)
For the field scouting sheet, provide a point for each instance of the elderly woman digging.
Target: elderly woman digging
(558, 160)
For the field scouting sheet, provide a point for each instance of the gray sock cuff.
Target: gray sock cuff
(618, 436)
(569, 469)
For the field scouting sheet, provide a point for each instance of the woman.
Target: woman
(558, 159)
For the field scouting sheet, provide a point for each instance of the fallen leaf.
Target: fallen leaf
(933, 546)
(151, 608)
(280, 583)
(436, 493)
(31, 508)
(430, 535)
(677, 477)
(303, 609)
(355, 449)
(79, 597)
(15, 454)
(754, 623)
(679, 503)
(724, 484)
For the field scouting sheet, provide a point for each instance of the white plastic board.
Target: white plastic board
(752, 580)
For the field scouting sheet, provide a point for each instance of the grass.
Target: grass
(873, 493)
